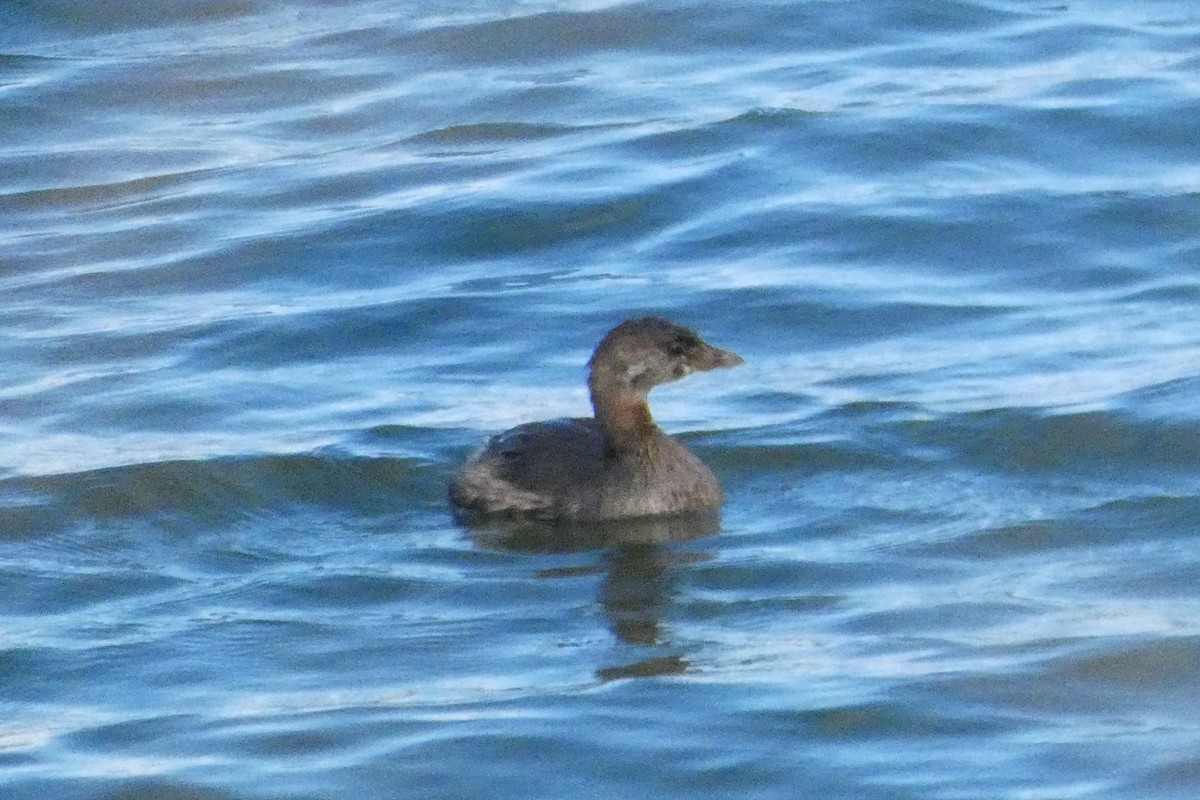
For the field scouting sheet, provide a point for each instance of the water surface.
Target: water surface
(268, 272)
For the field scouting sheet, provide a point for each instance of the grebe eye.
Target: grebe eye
(681, 345)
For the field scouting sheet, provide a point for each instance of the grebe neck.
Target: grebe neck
(624, 417)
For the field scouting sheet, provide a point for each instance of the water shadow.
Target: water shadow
(638, 567)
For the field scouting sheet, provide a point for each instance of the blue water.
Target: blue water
(269, 271)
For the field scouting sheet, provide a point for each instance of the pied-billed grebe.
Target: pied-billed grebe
(616, 464)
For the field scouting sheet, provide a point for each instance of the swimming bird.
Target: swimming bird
(615, 464)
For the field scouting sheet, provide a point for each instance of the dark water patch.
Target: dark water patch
(274, 262)
(714, 606)
(1070, 138)
(299, 740)
(748, 123)
(423, 761)
(76, 183)
(1171, 775)
(1091, 683)
(444, 229)
(52, 592)
(992, 237)
(23, 512)
(1141, 531)
(879, 721)
(498, 285)
(223, 488)
(1156, 516)
(150, 789)
(434, 446)
(131, 731)
(801, 459)
(979, 236)
(400, 330)
(20, 71)
(233, 91)
(1172, 401)
(555, 37)
(134, 409)
(620, 536)
(951, 18)
(1093, 442)
(100, 196)
(1180, 292)
(948, 618)
(328, 592)
(841, 320)
(508, 230)
(1158, 670)
(492, 133)
(875, 412)
(1144, 224)
(752, 585)
(56, 17)
(110, 787)
(649, 668)
(17, 62)
(859, 438)
(742, 140)
(115, 349)
(770, 400)
(1012, 540)
(652, 29)
(921, 143)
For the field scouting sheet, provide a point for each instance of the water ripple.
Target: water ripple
(268, 273)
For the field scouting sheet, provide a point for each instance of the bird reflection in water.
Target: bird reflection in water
(638, 567)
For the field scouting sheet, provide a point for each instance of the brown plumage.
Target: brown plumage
(616, 464)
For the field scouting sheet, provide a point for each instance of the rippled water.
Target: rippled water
(268, 271)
